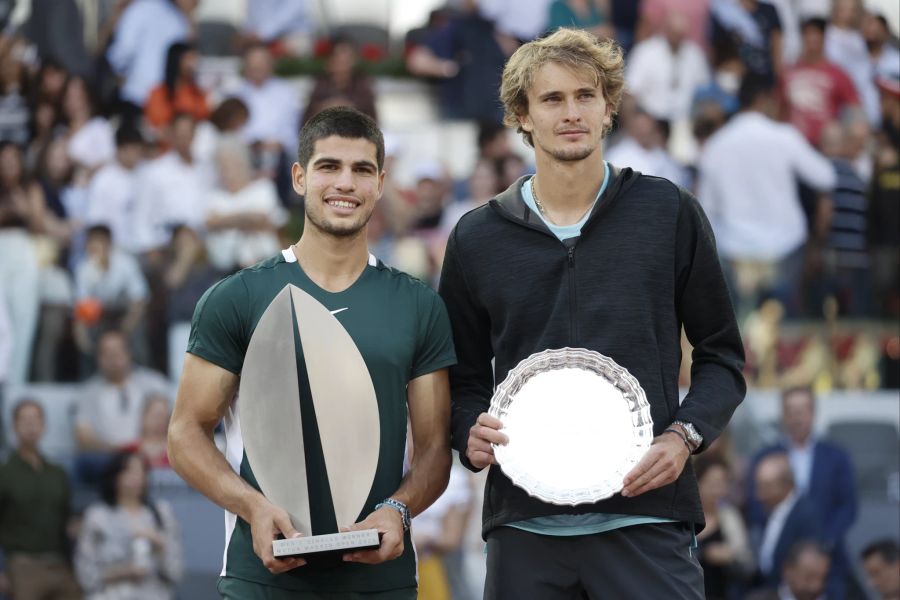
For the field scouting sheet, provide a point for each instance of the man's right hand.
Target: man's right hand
(482, 434)
(267, 521)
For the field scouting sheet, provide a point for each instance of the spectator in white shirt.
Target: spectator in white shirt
(112, 192)
(665, 70)
(140, 42)
(113, 279)
(172, 190)
(643, 147)
(6, 343)
(273, 104)
(91, 141)
(748, 172)
(524, 20)
(884, 54)
(109, 407)
(846, 47)
(288, 23)
(244, 215)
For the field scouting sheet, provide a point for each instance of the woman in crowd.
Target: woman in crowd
(129, 546)
(243, 216)
(154, 432)
(724, 550)
(23, 214)
(91, 140)
(179, 93)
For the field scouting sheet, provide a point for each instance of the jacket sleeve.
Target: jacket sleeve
(472, 378)
(704, 308)
(843, 501)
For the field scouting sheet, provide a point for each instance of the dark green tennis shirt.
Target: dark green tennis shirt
(401, 329)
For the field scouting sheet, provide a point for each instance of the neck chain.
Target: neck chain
(537, 201)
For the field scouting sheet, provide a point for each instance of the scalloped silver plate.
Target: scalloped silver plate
(577, 422)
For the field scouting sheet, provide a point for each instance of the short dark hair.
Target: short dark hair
(704, 463)
(128, 134)
(488, 132)
(101, 229)
(802, 547)
(225, 114)
(25, 403)
(752, 87)
(887, 549)
(817, 22)
(108, 487)
(804, 390)
(344, 122)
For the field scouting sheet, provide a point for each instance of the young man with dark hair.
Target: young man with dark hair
(34, 513)
(587, 255)
(401, 330)
(881, 562)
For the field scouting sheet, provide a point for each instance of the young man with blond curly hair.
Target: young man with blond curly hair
(585, 254)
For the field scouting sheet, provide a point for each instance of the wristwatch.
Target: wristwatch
(399, 507)
(693, 436)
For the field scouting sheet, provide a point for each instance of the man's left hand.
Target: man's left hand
(661, 465)
(390, 527)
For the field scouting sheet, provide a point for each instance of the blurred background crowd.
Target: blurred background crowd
(145, 148)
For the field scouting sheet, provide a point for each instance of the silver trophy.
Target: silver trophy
(577, 423)
(270, 419)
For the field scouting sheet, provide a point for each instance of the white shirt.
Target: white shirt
(271, 19)
(93, 145)
(523, 19)
(652, 161)
(114, 413)
(430, 522)
(170, 192)
(748, 186)
(140, 44)
(5, 340)
(888, 63)
(230, 248)
(774, 526)
(801, 458)
(118, 285)
(111, 198)
(664, 81)
(847, 49)
(274, 110)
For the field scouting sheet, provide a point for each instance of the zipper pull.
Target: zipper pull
(572, 256)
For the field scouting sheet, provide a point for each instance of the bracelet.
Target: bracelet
(399, 507)
(682, 436)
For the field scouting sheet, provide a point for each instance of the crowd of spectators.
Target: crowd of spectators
(127, 188)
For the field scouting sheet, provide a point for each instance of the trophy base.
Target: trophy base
(327, 548)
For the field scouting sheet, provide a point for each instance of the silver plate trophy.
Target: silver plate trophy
(346, 412)
(577, 422)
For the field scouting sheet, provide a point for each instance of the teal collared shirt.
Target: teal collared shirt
(563, 232)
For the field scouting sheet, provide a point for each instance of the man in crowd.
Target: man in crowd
(109, 406)
(587, 255)
(804, 574)
(759, 221)
(822, 473)
(881, 561)
(34, 514)
(788, 517)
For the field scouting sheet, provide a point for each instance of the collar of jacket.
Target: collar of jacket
(510, 204)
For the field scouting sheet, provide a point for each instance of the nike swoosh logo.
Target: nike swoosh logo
(334, 312)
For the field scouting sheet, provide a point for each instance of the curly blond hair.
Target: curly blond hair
(573, 48)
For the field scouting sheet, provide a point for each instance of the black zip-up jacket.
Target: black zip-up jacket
(644, 265)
